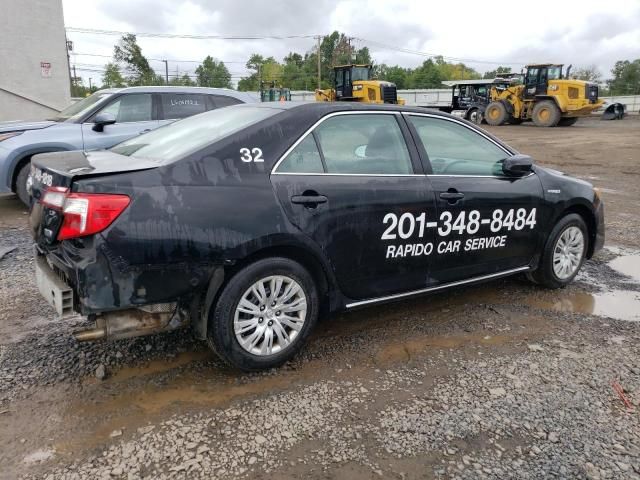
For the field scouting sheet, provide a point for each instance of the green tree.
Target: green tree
(112, 78)
(212, 73)
(129, 53)
(267, 70)
(626, 78)
(182, 81)
(394, 74)
(494, 73)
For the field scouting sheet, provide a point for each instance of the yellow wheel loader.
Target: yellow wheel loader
(545, 96)
(353, 83)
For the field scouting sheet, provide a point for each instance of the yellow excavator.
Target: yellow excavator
(545, 96)
(353, 83)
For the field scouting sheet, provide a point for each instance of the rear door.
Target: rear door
(175, 106)
(355, 187)
(134, 115)
(487, 221)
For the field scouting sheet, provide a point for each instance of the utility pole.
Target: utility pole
(166, 71)
(89, 84)
(74, 80)
(319, 63)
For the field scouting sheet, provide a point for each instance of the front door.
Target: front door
(487, 221)
(134, 116)
(355, 188)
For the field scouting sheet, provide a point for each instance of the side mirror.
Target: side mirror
(102, 119)
(517, 165)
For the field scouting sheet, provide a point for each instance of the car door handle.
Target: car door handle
(451, 196)
(146, 130)
(309, 199)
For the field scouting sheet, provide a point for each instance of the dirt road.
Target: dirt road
(503, 380)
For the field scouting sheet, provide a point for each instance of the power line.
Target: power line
(284, 37)
(428, 54)
(159, 59)
(193, 37)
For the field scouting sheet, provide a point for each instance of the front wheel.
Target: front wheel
(264, 314)
(496, 114)
(563, 254)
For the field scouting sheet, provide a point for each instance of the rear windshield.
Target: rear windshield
(181, 138)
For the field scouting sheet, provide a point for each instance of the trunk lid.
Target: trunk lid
(61, 169)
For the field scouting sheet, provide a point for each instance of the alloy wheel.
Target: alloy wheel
(270, 315)
(567, 253)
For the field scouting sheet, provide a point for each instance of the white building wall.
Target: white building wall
(32, 32)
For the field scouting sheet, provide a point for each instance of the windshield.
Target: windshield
(77, 109)
(360, 73)
(183, 137)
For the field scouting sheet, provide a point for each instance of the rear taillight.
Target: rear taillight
(84, 213)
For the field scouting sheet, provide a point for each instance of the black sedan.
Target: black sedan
(249, 222)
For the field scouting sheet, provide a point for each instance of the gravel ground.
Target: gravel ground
(505, 380)
(546, 410)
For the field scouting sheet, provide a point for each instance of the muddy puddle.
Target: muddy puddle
(628, 265)
(618, 304)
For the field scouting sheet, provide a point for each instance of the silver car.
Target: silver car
(99, 121)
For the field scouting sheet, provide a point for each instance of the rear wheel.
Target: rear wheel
(567, 122)
(563, 253)
(546, 114)
(21, 184)
(264, 314)
(495, 113)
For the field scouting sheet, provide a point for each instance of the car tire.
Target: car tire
(21, 184)
(546, 114)
(496, 114)
(260, 315)
(570, 232)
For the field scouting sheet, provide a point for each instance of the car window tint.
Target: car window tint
(223, 101)
(131, 108)
(181, 105)
(364, 144)
(304, 158)
(454, 149)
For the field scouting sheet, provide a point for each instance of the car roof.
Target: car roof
(324, 108)
(244, 96)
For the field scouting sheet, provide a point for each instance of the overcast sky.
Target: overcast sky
(581, 32)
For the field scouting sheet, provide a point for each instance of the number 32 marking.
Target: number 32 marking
(253, 155)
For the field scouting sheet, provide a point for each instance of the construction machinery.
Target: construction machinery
(469, 98)
(543, 95)
(354, 83)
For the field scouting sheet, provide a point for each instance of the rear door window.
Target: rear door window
(364, 144)
(304, 158)
(220, 101)
(181, 105)
(131, 108)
